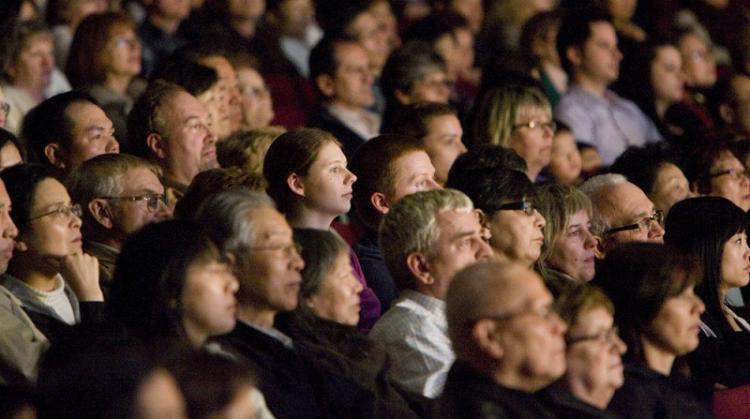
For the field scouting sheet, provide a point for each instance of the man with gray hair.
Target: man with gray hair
(119, 194)
(622, 212)
(426, 238)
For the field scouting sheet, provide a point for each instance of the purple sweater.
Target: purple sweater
(369, 304)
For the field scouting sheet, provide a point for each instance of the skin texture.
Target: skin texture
(414, 173)
(667, 78)
(229, 111)
(565, 161)
(2, 114)
(534, 145)
(517, 236)
(92, 135)
(52, 236)
(350, 87)
(735, 262)
(670, 187)
(8, 230)
(337, 299)
(207, 301)
(123, 53)
(627, 205)
(574, 252)
(9, 156)
(257, 104)
(699, 63)
(597, 63)
(432, 87)
(443, 144)
(159, 397)
(735, 189)
(32, 71)
(327, 188)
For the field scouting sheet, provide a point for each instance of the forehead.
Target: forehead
(4, 197)
(41, 39)
(183, 105)
(444, 122)
(692, 42)
(412, 163)
(740, 87)
(524, 289)
(630, 201)
(726, 160)
(602, 31)
(330, 152)
(85, 114)
(268, 223)
(221, 65)
(668, 53)
(530, 111)
(349, 53)
(141, 178)
(49, 191)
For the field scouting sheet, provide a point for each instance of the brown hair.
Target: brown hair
(213, 181)
(247, 149)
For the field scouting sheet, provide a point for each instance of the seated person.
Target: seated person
(714, 170)
(247, 149)
(565, 163)
(11, 150)
(213, 181)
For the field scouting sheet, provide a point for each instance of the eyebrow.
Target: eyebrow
(462, 234)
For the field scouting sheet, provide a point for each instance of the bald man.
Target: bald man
(507, 340)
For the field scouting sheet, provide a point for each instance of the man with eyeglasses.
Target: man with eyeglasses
(120, 194)
(509, 343)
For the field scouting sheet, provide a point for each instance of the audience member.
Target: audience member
(213, 181)
(426, 238)
(700, 73)
(255, 95)
(247, 149)
(160, 31)
(714, 170)
(64, 17)
(294, 29)
(11, 150)
(488, 156)
(508, 342)
(4, 108)
(732, 98)
(565, 162)
(538, 43)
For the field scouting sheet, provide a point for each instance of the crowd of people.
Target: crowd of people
(426, 209)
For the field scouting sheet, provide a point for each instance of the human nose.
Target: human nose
(558, 326)
(297, 262)
(618, 344)
(589, 240)
(10, 231)
(163, 211)
(432, 184)
(484, 251)
(699, 305)
(656, 231)
(351, 177)
(539, 220)
(234, 284)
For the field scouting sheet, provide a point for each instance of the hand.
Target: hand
(81, 272)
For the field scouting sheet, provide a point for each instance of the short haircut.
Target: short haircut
(213, 181)
(336, 16)
(557, 203)
(574, 31)
(537, 28)
(200, 50)
(641, 165)
(578, 300)
(49, 122)
(14, 40)
(374, 165)
(498, 109)
(320, 249)
(247, 149)
(699, 162)
(489, 189)
(411, 226)
(323, 60)
(415, 119)
(406, 66)
(435, 25)
(193, 77)
(487, 156)
(21, 182)
(597, 188)
(148, 115)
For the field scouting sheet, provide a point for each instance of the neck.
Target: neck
(590, 86)
(245, 27)
(118, 83)
(36, 274)
(515, 381)
(112, 242)
(598, 397)
(556, 74)
(306, 218)
(532, 172)
(177, 176)
(656, 358)
(255, 316)
(338, 105)
(661, 106)
(196, 337)
(166, 24)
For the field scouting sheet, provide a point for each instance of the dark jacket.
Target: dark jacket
(349, 139)
(567, 406)
(375, 269)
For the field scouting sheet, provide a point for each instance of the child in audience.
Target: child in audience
(565, 163)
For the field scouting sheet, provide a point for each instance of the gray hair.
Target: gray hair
(411, 226)
(597, 182)
(596, 189)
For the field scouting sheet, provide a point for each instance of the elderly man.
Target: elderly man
(622, 212)
(426, 238)
(508, 342)
(120, 194)
(170, 127)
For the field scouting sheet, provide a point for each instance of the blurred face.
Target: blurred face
(123, 53)
(207, 301)
(667, 78)
(435, 86)
(574, 252)
(257, 106)
(735, 262)
(337, 299)
(8, 231)
(9, 156)
(92, 134)
(130, 216)
(457, 49)
(670, 187)
(351, 85)
(159, 397)
(212, 101)
(700, 66)
(472, 10)
(32, 70)
(517, 235)
(295, 16)
(741, 107)
(443, 144)
(729, 180)
(534, 145)
(413, 172)
(565, 160)
(3, 103)
(76, 10)
(373, 37)
(52, 235)
(675, 329)
(173, 9)
(599, 59)
(328, 184)
(269, 272)
(243, 405)
(594, 353)
(246, 9)
(632, 207)
(227, 96)
(621, 9)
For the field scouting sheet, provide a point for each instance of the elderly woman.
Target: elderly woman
(569, 247)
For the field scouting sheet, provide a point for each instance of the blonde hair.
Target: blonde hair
(247, 149)
(557, 203)
(498, 110)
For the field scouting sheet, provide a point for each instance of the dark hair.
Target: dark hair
(415, 118)
(639, 278)
(213, 181)
(49, 122)
(641, 165)
(7, 137)
(200, 50)
(21, 182)
(699, 162)
(435, 25)
(293, 152)
(538, 26)
(575, 30)
(635, 75)
(147, 116)
(687, 230)
(323, 59)
(150, 275)
(372, 163)
(490, 188)
(320, 248)
(193, 77)
(487, 156)
(336, 16)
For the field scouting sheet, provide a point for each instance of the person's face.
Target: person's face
(130, 216)
(632, 206)
(212, 101)
(257, 105)
(189, 146)
(565, 161)
(622, 9)
(413, 172)
(741, 107)
(246, 9)
(295, 16)
(9, 156)
(373, 37)
(55, 235)
(92, 134)
(352, 82)
(3, 102)
(461, 242)
(457, 49)
(434, 86)
(159, 397)
(77, 10)
(517, 235)
(328, 184)
(8, 230)
(699, 63)
(269, 272)
(729, 180)
(735, 262)
(594, 354)
(123, 54)
(207, 300)
(667, 78)
(472, 10)
(599, 59)
(574, 251)
(337, 299)
(534, 145)
(670, 187)
(33, 68)
(228, 95)
(173, 9)
(443, 144)
(675, 328)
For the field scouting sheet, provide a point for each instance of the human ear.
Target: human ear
(380, 203)
(325, 85)
(101, 212)
(296, 184)
(575, 55)
(154, 142)
(55, 155)
(485, 336)
(419, 268)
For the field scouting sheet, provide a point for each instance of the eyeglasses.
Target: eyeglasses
(607, 336)
(152, 200)
(551, 125)
(642, 225)
(66, 211)
(289, 250)
(523, 205)
(734, 174)
(5, 107)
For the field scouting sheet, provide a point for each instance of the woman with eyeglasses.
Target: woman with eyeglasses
(56, 282)
(593, 355)
(713, 170)
(658, 315)
(713, 231)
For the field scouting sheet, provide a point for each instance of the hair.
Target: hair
(490, 188)
(536, 28)
(213, 181)
(86, 61)
(49, 122)
(200, 50)
(193, 77)
(320, 249)
(21, 181)
(323, 58)
(411, 226)
(575, 30)
(639, 278)
(593, 188)
(374, 165)
(148, 115)
(247, 149)
(336, 16)
(148, 282)
(641, 165)
(7, 137)
(415, 119)
(687, 230)
(487, 156)
(293, 152)
(557, 204)
(434, 26)
(498, 110)
(14, 40)
(578, 300)
(699, 163)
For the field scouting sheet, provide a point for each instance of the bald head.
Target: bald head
(624, 204)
